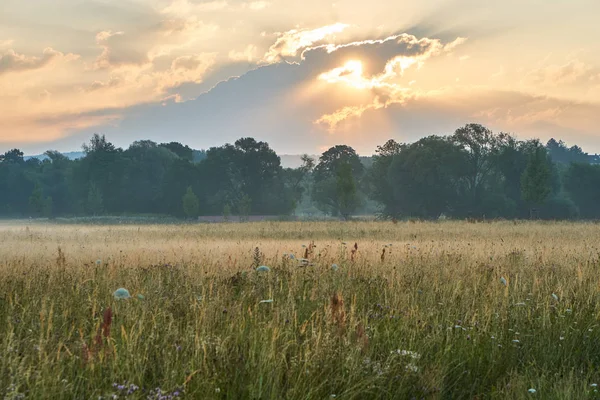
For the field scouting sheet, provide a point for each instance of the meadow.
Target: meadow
(356, 310)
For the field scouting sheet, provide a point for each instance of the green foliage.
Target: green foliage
(48, 209)
(95, 203)
(346, 191)
(535, 181)
(36, 201)
(226, 212)
(191, 204)
(244, 207)
(582, 182)
(471, 173)
(335, 177)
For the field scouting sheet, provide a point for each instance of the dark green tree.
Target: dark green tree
(48, 207)
(346, 192)
(244, 207)
(325, 193)
(582, 183)
(36, 201)
(191, 204)
(536, 179)
(480, 146)
(95, 200)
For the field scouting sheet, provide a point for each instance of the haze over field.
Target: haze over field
(302, 76)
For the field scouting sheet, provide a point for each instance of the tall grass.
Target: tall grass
(414, 310)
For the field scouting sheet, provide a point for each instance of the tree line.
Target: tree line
(473, 173)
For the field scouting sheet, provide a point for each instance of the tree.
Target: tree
(582, 182)
(325, 192)
(346, 191)
(13, 156)
(379, 185)
(247, 168)
(36, 201)
(47, 210)
(480, 146)
(191, 204)
(95, 202)
(425, 178)
(226, 212)
(295, 178)
(244, 207)
(535, 181)
(180, 150)
(104, 167)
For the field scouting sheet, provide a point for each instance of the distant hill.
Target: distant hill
(72, 155)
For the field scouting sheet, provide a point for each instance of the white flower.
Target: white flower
(412, 368)
(554, 296)
(503, 281)
(412, 354)
(532, 391)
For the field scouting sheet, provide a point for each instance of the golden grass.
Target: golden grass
(431, 288)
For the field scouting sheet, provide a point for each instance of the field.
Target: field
(446, 310)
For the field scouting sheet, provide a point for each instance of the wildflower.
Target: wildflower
(334, 267)
(516, 341)
(594, 385)
(98, 262)
(554, 296)
(532, 391)
(568, 310)
(263, 268)
(218, 390)
(292, 257)
(503, 281)
(407, 353)
(121, 294)
(412, 368)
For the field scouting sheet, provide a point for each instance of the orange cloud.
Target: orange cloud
(289, 43)
(409, 51)
(12, 61)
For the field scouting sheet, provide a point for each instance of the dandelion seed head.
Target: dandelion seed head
(121, 294)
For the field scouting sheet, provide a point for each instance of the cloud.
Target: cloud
(258, 5)
(375, 65)
(117, 50)
(288, 44)
(114, 81)
(6, 43)
(248, 54)
(11, 61)
(184, 8)
(573, 72)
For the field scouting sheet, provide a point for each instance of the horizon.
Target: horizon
(300, 76)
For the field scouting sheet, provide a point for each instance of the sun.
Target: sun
(350, 74)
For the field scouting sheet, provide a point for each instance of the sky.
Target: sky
(301, 75)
